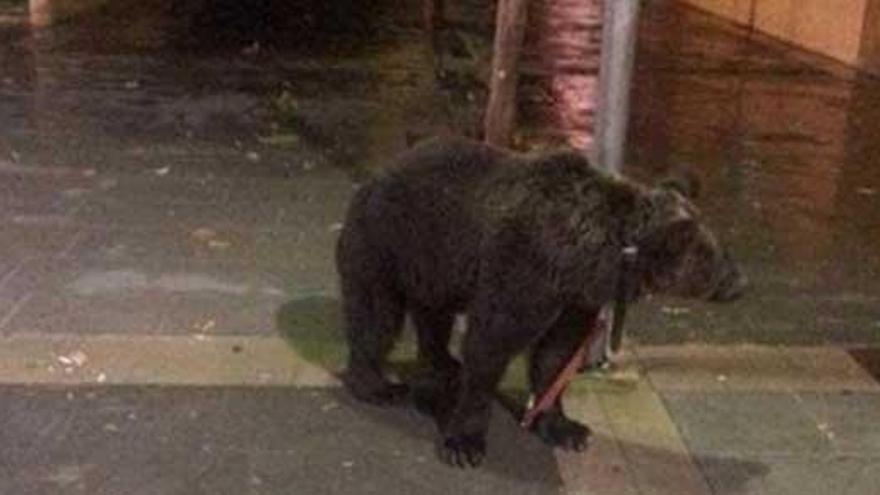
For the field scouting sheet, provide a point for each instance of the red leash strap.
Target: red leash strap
(562, 380)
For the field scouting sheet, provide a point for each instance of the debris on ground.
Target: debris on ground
(218, 244)
(281, 140)
(75, 359)
(205, 326)
(210, 238)
(161, 172)
(203, 234)
(675, 310)
(825, 429)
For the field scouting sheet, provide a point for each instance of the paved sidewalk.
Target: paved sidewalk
(248, 414)
(166, 333)
(169, 311)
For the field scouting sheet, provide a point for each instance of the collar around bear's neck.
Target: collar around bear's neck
(627, 286)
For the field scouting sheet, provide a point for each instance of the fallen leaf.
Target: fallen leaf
(206, 326)
(218, 244)
(281, 140)
(203, 234)
(79, 358)
(75, 359)
(674, 311)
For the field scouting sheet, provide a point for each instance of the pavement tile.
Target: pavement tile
(866, 481)
(752, 368)
(310, 204)
(744, 424)
(848, 419)
(790, 476)
(53, 312)
(114, 468)
(657, 458)
(603, 467)
(19, 242)
(38, 189)
(154, 296)
(869, 359)
(302, 440)
(302, 260)
(158, 360)
(245, 245)
(179, 217)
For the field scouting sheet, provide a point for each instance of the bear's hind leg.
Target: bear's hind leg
(548, 358)
(374, 317)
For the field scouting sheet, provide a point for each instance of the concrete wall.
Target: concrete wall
(836, 28)
(869, 56)
(46, 12)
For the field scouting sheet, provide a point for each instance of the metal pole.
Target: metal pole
(510, 28)
(619, 30)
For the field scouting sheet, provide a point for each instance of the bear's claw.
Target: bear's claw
(463, 450)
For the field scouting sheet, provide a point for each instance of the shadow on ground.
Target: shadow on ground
(265, 440)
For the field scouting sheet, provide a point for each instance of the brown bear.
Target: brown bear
(529, 247)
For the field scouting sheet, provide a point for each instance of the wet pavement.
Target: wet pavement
(786, 151)
(168, 303)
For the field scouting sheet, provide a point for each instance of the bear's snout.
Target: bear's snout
(731, 286)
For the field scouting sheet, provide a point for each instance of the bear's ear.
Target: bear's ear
(682, 181)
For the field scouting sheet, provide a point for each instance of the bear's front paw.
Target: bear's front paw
(559, 431)
(376, 392)
(463, 450)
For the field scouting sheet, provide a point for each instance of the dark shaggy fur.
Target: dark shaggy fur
(528, 246)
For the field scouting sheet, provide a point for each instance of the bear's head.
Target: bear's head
(678, 254)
